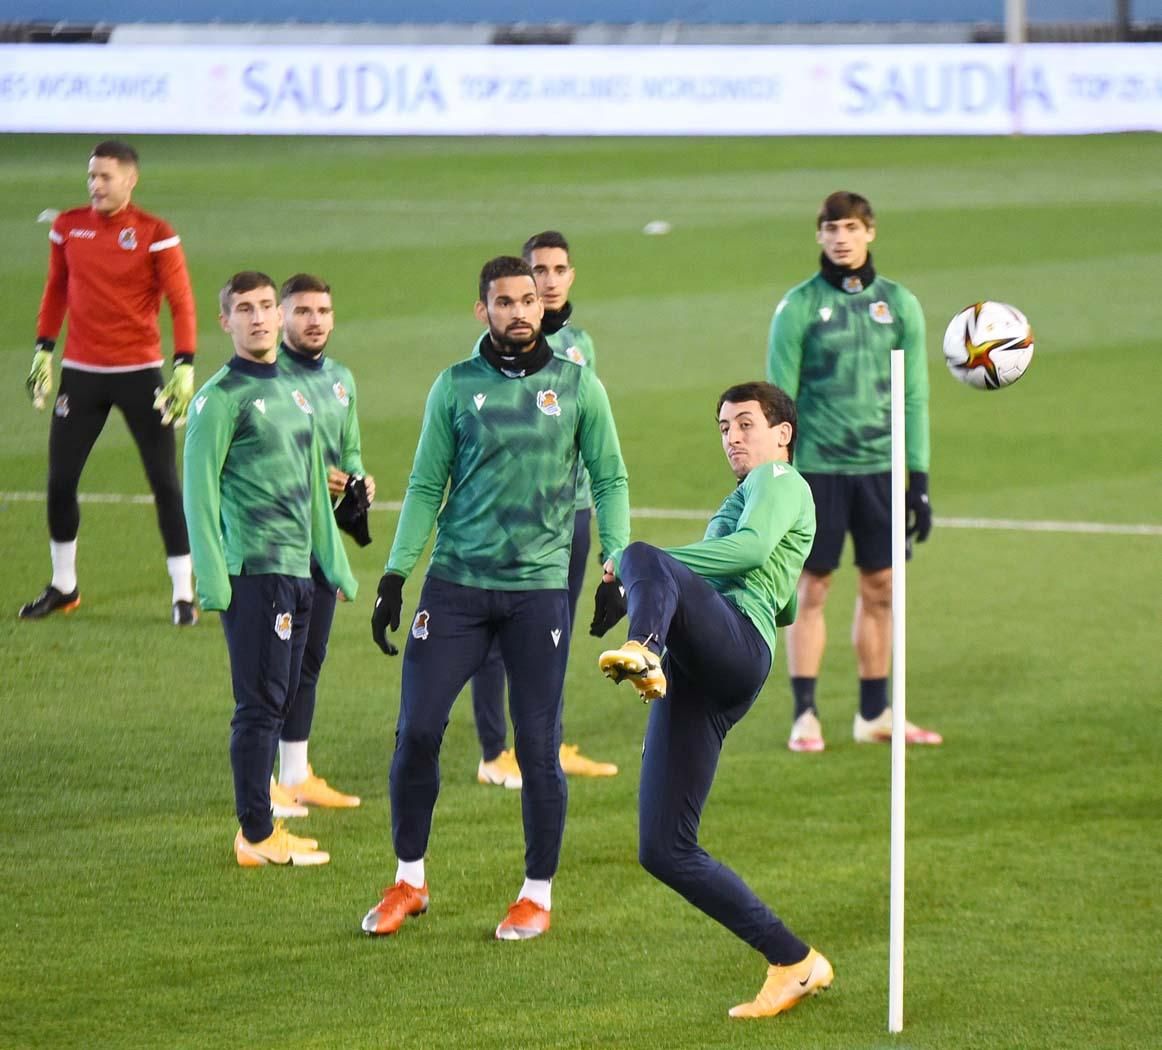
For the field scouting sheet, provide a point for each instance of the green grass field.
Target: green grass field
(1033, 914)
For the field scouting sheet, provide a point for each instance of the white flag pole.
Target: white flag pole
(899, 557)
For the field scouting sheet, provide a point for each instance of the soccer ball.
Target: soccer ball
(988, 345)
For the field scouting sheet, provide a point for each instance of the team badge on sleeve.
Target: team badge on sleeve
(127, 239)
(547, 402)
(341, 394)
(282, 625)
(420, 625)
(879, 312)
(575, 355)
(302, 402)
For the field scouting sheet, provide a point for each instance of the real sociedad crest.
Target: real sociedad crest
(547, 402)
(420, 625)
(302, 402)
(282, 625)
(852, 284)
(127, 239)
(575, 355)
(880, 312)
(341, 394)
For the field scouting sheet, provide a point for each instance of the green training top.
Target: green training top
(577, 345)
(509, 447)
(755, 546)
(330, 387)
(255, 489)
(830, 350)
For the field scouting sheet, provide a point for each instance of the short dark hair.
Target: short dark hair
(544, 239)
(243, 281)
(778, 406)
(502, 266)
(117, 150)
(302, 282)
(844, 205)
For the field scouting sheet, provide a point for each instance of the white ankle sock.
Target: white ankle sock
(539, 891)
(411, 872)
(64, 565)
(181, 572)
(292, 762)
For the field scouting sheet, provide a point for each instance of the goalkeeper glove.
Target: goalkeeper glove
(919, 511)
(608, 606)
(388, 606)
(39, 381)
(173, 400)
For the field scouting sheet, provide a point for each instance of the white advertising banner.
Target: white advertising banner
(337, 90)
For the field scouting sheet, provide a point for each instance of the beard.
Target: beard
(302, 346)
(507, 344)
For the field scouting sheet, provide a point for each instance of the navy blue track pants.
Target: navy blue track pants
(488, 682)
(266, 630)
(451, 634)
(301, 710)
(715, 663)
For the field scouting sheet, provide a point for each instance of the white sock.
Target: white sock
(292, 762)
(181, 572)
(539, 891)
(411, 872)
(64, 565)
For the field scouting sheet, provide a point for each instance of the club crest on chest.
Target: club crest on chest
(547, 402)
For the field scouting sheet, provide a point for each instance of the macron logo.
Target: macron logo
(199, 405)
(260, 404)
(556, 636)
(479, 399)
(778, 470)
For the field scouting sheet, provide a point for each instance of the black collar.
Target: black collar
(555, 320)
(850, 281)
(304, 360)
(515, 365)
(252, 368)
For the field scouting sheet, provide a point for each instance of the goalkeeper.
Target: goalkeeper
(829, 348)
(109, 265)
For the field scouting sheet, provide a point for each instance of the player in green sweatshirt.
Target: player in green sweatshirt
(830, 349)
(548, 255)
(503, 432)
(256, 503)
(308, 321)
(702, 622)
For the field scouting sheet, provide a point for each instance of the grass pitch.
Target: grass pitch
(1032, 902)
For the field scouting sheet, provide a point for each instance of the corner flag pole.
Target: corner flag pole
(899, 557)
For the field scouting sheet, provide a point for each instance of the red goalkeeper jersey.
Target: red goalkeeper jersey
(109, 272)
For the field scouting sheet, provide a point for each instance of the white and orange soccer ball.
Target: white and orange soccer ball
(988, 345)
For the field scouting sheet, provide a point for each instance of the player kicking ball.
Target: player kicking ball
(702, 622)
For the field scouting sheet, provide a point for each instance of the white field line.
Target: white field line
(678, 514)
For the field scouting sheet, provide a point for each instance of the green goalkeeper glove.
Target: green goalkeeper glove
(39, 381)
(174, 400)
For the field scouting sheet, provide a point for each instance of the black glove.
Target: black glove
(388, 606)
(919, 512)
(608, 606)
(351, 509)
